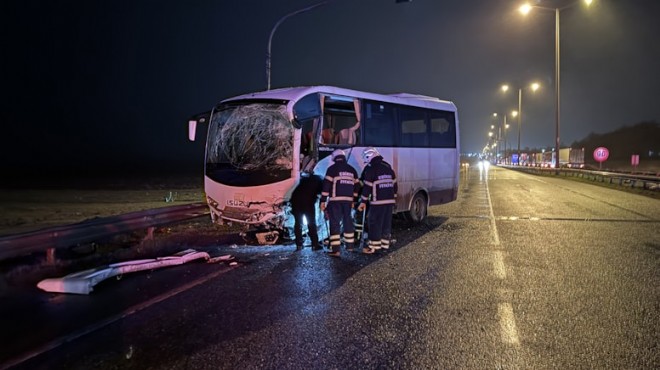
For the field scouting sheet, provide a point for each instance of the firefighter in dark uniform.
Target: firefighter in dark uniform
(340, 187)
(379, 189)
(303, 204)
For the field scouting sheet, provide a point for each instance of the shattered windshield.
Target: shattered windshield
(250, 144)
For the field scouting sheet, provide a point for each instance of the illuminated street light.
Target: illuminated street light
(533, 86)
(502, 129)
(525, 9)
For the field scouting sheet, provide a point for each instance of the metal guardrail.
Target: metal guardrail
(646, 182)
(90, 230)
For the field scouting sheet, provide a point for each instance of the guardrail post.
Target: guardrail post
(50, 256)
(150, 233)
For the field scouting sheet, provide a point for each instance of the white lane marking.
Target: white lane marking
(496, 237)
(498, 265)
(507, 323)
(508, 329)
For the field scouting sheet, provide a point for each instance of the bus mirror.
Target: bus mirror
(192, 123)
(192, 127)
(305, 109)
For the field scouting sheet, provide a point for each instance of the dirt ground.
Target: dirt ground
(23, 210)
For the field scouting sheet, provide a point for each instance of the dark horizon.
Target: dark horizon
(111, 85)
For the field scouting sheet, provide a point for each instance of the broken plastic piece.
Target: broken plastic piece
(83, 282)
(226, 257)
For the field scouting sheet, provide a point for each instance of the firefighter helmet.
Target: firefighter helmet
(337, 153)
(369, 153)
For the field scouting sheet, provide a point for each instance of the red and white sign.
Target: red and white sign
(601, 154)
(634, 160)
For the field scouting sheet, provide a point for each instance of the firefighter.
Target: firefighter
(379, 190)
(340, 187)
(303, 204)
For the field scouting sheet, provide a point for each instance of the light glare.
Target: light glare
(525, 9)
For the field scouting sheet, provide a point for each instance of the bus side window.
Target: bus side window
(413, 127)
(379, 129)
(443, 131)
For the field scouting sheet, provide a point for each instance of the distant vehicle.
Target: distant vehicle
(542, 159)
(259, 143)
(571, 158)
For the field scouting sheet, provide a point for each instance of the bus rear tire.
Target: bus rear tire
(418, 209)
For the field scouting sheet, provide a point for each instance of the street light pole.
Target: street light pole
(534, 86)
(504, 127)
(519, 120)
(526, 8)
(272, 32)
(277, 24)
(557, 87)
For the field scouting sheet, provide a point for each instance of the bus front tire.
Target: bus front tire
(418, 209)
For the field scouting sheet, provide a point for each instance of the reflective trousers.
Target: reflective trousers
(339, 214)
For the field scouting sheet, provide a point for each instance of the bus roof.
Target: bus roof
(295, 93)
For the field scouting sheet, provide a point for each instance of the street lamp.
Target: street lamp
(506, 127)
(525, 9)
(501, 135)
(277, 24)
(533, 86)
(498, 137)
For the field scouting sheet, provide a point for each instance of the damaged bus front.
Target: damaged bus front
(251, 164)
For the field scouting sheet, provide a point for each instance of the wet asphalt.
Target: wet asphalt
(520, 272)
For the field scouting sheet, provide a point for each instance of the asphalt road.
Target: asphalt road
(521, 272)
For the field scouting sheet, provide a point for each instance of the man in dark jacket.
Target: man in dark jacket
(340, 187)
(379, 189)
(303, 204)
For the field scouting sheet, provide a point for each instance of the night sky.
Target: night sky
(91, 85)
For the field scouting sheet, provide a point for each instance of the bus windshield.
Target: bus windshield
(250, 144)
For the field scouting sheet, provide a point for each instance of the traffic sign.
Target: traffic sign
(634, 160)
(601, 154)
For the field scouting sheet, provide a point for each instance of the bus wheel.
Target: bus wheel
(418, 208)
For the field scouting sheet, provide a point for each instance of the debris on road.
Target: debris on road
(226, 257)
(83, 282)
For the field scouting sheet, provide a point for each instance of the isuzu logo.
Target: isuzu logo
(237, 203)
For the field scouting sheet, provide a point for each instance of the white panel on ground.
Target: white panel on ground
(83, 282)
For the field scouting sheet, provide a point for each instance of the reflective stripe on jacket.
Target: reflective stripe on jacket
(340, 182)
(379, 183)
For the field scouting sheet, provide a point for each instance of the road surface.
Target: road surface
(520, 272)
